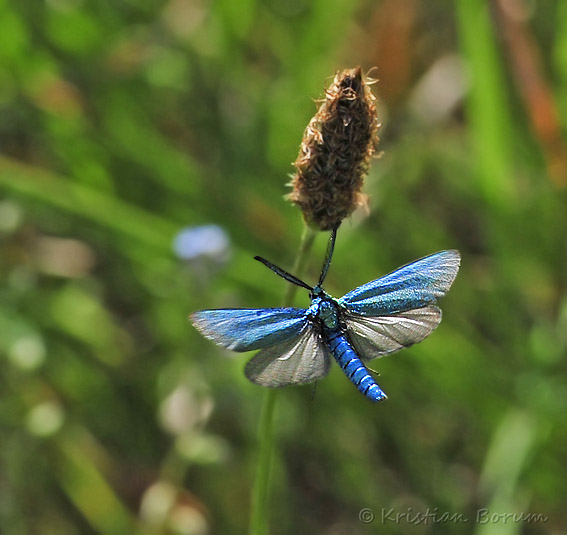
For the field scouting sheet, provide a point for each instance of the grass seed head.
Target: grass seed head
(335, 152)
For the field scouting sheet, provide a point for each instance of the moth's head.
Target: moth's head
(318, 292)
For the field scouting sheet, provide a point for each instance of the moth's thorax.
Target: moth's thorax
(324, 309)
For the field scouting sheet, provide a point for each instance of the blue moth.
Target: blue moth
(373, 320)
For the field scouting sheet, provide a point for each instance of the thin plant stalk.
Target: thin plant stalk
(261, 490)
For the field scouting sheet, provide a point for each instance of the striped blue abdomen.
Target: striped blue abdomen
(352, 365)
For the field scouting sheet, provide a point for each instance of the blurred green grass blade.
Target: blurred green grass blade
(560, 60)
(130, 133)
(238, 16)
(77, 199)
(88, 489)
(508, 453)
(488, 110)
(510, 447)
(74, 311)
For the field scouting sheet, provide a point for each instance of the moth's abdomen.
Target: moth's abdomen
(351, 364)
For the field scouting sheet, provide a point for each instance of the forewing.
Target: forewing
(413, 286)
(242, 329)
(301, 360)
(378, 336)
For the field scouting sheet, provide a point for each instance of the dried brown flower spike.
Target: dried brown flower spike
(335, 152)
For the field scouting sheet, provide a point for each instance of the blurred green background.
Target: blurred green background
(124, 124)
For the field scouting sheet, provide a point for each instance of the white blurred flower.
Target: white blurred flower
(183, 410)
(27, 352)
(45, 419)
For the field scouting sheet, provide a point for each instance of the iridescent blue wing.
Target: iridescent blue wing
(242, 329)
(412, 286)
(378, 336)
(299, 360)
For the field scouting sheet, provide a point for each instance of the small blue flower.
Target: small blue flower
(209, 241)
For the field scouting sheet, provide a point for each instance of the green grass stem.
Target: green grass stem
(261, 491)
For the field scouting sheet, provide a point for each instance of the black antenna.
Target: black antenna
(284, 274)
(328, 256)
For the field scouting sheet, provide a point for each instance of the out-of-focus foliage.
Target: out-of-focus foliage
(124, 124)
